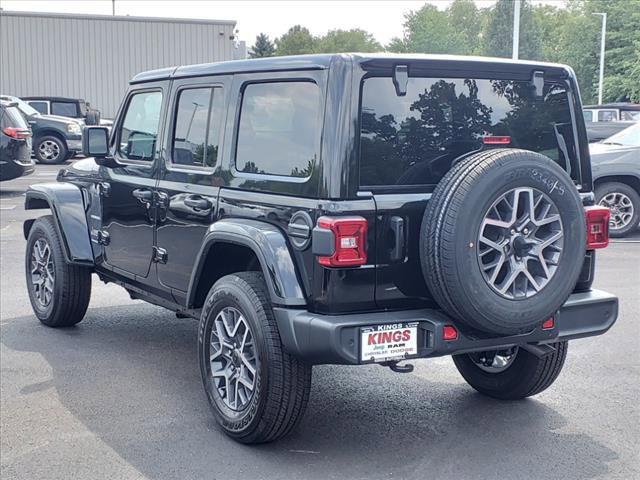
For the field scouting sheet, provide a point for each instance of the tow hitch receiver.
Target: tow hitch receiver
(539, 351)
(395, 367)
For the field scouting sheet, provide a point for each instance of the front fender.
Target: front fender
(269, 245)
(68, 208)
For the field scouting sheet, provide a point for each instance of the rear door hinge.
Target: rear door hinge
(159, 255)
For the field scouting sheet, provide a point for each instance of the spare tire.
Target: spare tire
(92, 117)
(503, 240)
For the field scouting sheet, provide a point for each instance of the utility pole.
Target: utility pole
(602, 42)
(113, 7)
(516, 29)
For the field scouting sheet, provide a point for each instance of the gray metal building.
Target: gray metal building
(94, 56)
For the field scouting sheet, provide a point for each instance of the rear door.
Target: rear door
(190, 180)
(409, 142)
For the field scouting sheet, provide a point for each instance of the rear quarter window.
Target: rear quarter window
(414, 139)
(279, 129)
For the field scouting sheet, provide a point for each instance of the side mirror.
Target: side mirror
(95, 143)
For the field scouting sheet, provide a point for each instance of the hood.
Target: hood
(58, 118)
(600, 151)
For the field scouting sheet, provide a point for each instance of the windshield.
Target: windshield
(629, 137)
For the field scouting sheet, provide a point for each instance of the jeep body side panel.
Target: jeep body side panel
(68, 208)
(269, 245)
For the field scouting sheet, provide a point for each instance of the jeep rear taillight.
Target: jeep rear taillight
(347, 240)
(597, 218)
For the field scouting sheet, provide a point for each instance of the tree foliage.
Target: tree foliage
(263, 47)
(564, 33)
(298, 40)
(355, 40)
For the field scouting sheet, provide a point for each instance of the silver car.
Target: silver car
(615, 165)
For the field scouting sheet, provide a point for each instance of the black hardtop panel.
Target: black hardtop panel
(53, 99)
(366, 61)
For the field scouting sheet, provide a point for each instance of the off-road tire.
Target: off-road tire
(528, 375)
(449, 240)
(72, 283)
(283, 382)
(618, 187)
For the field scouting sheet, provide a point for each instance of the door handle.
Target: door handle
(197, 202)
(397, 227)
(144, 195)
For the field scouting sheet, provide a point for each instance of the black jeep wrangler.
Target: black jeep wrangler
(337, 209)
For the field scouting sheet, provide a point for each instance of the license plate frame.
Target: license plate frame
(387, 344)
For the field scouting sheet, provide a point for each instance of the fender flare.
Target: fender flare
(270, 246)
(68, 209)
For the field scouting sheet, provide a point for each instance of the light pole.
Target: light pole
(516, 29)
(602, 41)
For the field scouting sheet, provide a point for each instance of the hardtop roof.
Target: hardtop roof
(323, 61)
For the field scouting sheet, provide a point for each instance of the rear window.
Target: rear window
(413, 139)
(629, 115)
(11, 117)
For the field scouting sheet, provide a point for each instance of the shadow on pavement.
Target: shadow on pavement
(130, 375)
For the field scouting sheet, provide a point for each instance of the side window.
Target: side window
(607, 116)
(139, 129)
(197, 127)
(64, 109)
(41, 107)
(588, 115)
(279, 129)
(630, 115)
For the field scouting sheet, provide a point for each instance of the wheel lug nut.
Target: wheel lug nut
(513, 231)
(525, 231)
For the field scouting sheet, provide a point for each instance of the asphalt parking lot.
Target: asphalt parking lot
(120, 397)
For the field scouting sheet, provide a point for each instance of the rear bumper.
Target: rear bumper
(12, 169)
(335, 339)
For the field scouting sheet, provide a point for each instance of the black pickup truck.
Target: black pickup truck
(337, 209)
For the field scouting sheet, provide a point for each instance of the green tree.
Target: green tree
(455, 30)
(263, 47)
(622, 40)
(297, 40)
(355, 40)
(498, 36)
(428, 30)
(467, 19)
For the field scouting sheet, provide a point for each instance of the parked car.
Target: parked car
(337, 209)
(55, 139)
(67, 107)
(615, 163)
(605, 120)
(15, 143)
(612, 112)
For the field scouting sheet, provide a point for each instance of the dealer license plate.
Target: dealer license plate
(381, 343)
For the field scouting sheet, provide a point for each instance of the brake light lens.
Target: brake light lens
(349, 247)
(548, 324)
(597, 218)
(16, 132)
(496, 140)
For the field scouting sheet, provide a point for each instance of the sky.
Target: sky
(383, 19)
